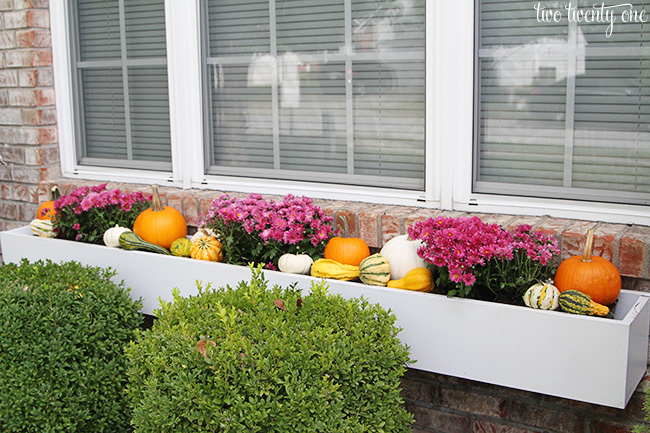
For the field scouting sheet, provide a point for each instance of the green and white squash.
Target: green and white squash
(43, 228)
(374, 270)
(542, 296)
(575, 302)
(131, 241)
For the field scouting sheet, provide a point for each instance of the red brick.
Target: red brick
(501, 219)
(22, 97)
(11, 116)
(8, 78)
(35, 135)
(475, 403)
(7, 40)
(16, 20)
(603, 426)
(633, 251)
(552, 226)
(368, 221)
(42, 57)
(19, 58)
(485, 426)
(6, 5)
(27, 78)
(191, 208)
(44, 97)
(12, 155)
(346, 223)
(8, 210)
(436, 420)
(521, 220)
(31, 116)
(38, 18)
(25, 38)
(27, 211)
(44, 77)
(605, 237)
(420, 215)
(533, 415)
(417, 391)
(392, 223)
(573, 238)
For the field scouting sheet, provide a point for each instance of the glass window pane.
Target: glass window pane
(303, 86)
(562, 107)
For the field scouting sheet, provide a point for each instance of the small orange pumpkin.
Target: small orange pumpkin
(207, 248)
(46, 209)
(592, 275)
(349, 251)
(160, 225)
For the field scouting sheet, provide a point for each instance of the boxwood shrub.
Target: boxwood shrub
(260, 359)
(63, 329)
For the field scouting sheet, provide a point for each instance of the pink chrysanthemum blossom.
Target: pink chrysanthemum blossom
(259, 230)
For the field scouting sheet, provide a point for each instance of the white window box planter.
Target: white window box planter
(583, 358)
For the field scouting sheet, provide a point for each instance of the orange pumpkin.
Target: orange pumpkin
(349, 251)
(46, 209)
(160, 225)
(592, 275)
(207, 248)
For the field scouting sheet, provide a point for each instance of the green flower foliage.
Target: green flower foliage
(259, 359)
(63, 329)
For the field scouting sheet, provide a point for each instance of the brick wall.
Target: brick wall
(29, 165)
(28, 133)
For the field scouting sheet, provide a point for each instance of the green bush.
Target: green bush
(254, 359)
(63, 329)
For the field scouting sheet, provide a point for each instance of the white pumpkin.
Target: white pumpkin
(402, 255)
(202, 232)
(542, 296)
(112, 236)
(295, 263)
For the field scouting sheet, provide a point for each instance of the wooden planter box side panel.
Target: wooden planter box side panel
(547, 352)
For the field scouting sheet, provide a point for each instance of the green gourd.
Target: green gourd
(374, 270)
(131, 241)
(181, 247)
(573, 301)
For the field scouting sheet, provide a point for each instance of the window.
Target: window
(563, 104)
(329, 91)
(332, 100)
(121, 84)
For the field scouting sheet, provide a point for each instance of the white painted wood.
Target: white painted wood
(583, 358)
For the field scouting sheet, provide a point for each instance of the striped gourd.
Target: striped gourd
(374, 270)
(43, 228)
(573, 301)
(543, 296)
(131, 241)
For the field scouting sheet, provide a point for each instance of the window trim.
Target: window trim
(448, 119)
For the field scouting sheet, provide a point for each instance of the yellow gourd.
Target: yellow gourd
(328, 268)
(418, 279)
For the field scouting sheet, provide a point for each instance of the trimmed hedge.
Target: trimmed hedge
(259, 359)
(63, 329)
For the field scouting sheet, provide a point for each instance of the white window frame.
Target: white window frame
(448, 119)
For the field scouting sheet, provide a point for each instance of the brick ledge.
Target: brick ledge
(625, 245)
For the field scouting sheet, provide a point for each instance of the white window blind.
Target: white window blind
(563, 110)
(121, 83)
(305, 89)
